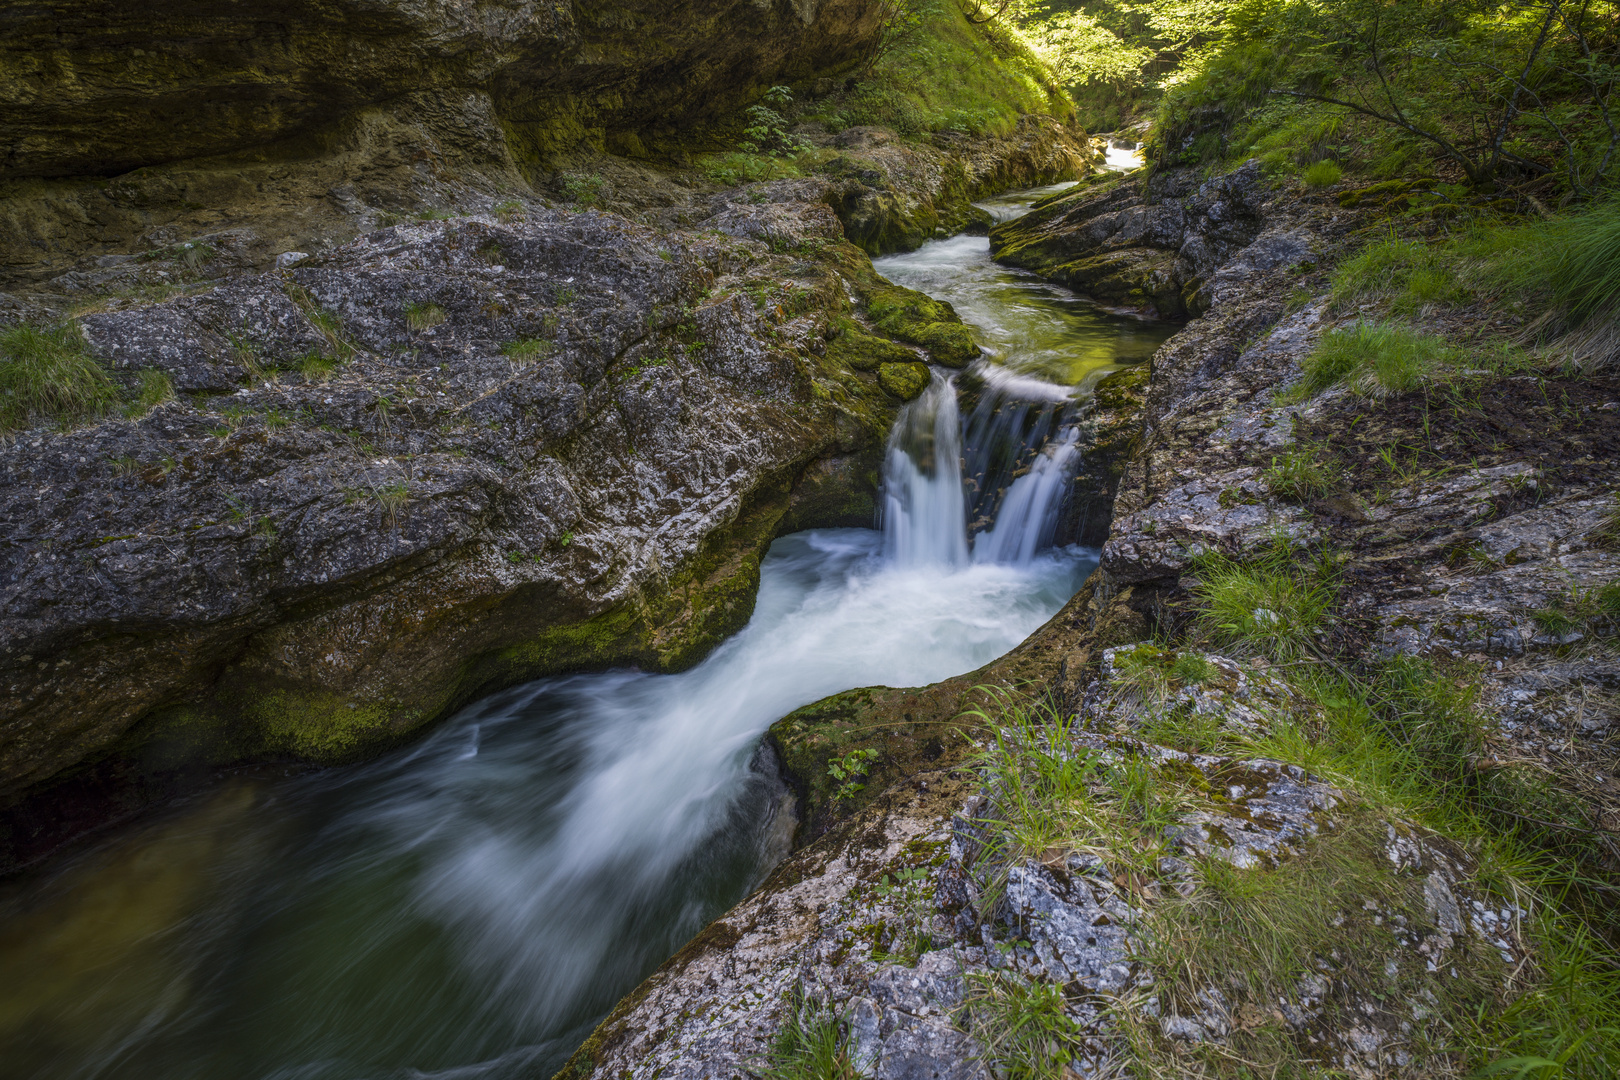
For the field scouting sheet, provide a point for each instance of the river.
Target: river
(471, 905)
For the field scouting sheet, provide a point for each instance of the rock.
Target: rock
(904, 381)
(448, 457)
(1164, 251)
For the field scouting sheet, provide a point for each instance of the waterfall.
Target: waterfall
(1000, 477)
(923, 515)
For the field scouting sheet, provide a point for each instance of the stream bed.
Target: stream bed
(471, 905)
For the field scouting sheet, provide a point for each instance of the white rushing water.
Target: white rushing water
(472, 905)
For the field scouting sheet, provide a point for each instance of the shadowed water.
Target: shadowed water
(471, 905)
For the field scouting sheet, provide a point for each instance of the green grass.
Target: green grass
(1376, 359)
(947, 75)
(421, 316)
(1323, 174)
(1298, 473)
(1021, 1024)
(1271, 605)
(811, 1044)
(527, 350)
(152, 388)
(48, 375)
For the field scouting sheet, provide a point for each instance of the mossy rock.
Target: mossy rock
(921, 320)
(863, 352)
(904, 381)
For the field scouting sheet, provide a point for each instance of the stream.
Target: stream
(471, 905)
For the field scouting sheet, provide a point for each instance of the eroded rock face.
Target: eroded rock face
(103, 88)
(900, 917)
(1169, 250)
(445, 457)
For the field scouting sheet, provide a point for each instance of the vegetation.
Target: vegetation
(1021, 1024)
(812, 1043)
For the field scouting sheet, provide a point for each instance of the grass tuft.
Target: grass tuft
(1323, 174)
(1375, 359)
(812, 1044)
(423, 316)
(1298, 473)
(1021, 1024)
(49, 375)
(1270, 605)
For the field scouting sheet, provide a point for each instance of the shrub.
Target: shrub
(49, 375)
(1022, 1025)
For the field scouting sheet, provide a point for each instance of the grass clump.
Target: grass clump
(527, 350)
(152, 388)
(812, 1044)
(48, 374)
(421, 316)
(1376, 359)
(1298, 473)
(1021, 1024)
(1323, 174)
(1271, 605)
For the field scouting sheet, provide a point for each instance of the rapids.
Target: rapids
(470, 906)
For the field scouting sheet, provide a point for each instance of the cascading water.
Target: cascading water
(472, 905)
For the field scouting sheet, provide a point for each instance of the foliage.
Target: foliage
(812, 1044)
(1375, 359)
(421, 316)
(848, 770)
(152, 388)
(766, 129)
(1323, 174)
(584, 189)
(49, 375)
(947, 74)
(1298, 473)
(1274, 604)
(1021, 1024)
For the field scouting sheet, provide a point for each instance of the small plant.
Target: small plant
(507, 211)
(526, 351)
(49, 375)
(421, 316)
(1021, 1024)
(908, 891)
(565, 539)
(392, 498)
(326, 322)
(1192, 669)
(1297, 473)
(1555, 622)
(849, 770)
(766, 129)
(585, 189)
(316, 368)
(1323, 174)
(275, 419)
(235, 509)
(123, 467)
(812, 1044)
(1270, 605)
(152, 388)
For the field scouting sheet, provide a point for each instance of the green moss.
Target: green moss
(904, 381)
(863, 352)
(918, 319)
(949, 75)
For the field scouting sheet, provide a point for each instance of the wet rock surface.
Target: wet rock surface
(445, 457)
(1462, 558)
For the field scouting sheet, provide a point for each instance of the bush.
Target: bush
(48, 375)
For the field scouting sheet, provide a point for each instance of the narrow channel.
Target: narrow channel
(472, 905)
